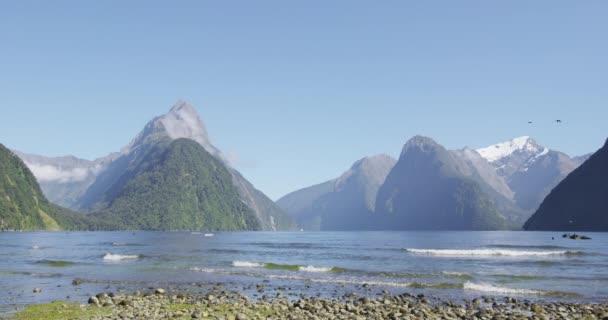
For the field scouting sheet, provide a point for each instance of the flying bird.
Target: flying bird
(529, 122)
(558, 121)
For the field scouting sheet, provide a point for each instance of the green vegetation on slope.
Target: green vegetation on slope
(24, 207)
(177, 186)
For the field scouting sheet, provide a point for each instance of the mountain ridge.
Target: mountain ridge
(580, 201)
(182, 121)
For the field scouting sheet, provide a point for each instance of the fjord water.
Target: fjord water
(449, 265)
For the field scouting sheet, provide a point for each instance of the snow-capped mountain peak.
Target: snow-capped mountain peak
(523, 144)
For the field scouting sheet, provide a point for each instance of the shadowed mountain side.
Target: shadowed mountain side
(431, 188)
(345, 203)
(580, 201)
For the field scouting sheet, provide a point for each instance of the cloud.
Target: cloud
(236, 161)
(48, 173)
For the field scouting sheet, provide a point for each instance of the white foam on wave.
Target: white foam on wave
(247, 264)
(294, 277)
(207, 270)
(484, 287)
(35, 247)
(489, 252)
(208, 235)
(340, 281)
(455, 274)
(119, 257)
(315, 269)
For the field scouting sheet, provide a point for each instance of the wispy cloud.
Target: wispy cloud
(236, 161)
(48, 173)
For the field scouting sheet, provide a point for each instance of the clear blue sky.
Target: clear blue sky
(301, 89)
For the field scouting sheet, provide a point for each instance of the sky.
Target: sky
(296, 91)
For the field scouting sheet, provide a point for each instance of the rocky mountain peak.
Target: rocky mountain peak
(421, 143)
(183, 121)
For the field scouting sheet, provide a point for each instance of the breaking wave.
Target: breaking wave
(120, 257)
(492, 252)
(484, 287)
(289, 267)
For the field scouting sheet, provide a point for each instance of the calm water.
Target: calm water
(451, 265)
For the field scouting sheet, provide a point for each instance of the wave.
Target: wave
(216, 250)
(120, 257)
(484, 287)
(122, 244)
(56, 263)
(456, 274)
(492, 252)
(289, 267)
(414, 285)
(32, 274)
(516, 246)
(291, 245)
(523, 277)
(208, 235)
(315, 269)
(126, 244)
(340, 281)
(247, 264)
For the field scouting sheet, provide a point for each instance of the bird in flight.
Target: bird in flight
(558, 121)
(529, 122)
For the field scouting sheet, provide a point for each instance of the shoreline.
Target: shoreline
(219, 303)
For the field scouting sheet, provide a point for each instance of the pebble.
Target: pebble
(218, 304)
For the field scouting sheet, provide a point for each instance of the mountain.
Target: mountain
(64, 179)
(529, 169)
(23, 206)
(580, 201)
(100, 181)
(431, 188)
(177, 185)
(344, 203)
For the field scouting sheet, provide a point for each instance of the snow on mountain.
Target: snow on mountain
(523, 144)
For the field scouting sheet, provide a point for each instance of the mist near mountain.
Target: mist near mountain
(96, 188)
(23, 206)
(64, 179)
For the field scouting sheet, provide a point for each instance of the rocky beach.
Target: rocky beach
(219, 303)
